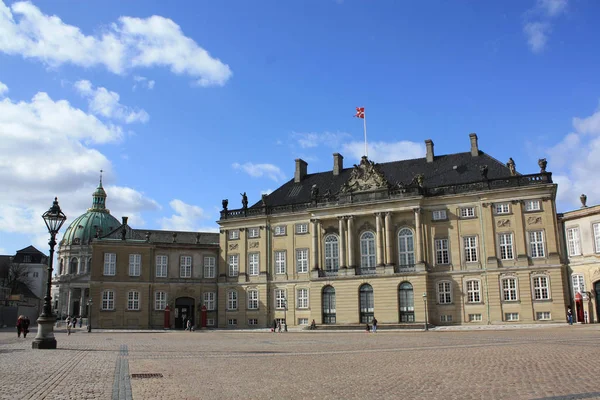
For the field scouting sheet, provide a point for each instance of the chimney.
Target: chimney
(338, 163)
(429, 146)
(301, 167)
(124, 220)
(474, 146)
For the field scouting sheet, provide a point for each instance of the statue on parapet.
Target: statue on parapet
(244, 200)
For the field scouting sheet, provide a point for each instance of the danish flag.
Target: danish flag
(360, 112)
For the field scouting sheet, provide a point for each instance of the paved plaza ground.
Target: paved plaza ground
(552, 362)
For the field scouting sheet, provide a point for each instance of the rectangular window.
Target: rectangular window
(509, 289)
(185, 267)
(253, 264)
(543, 316)
(511, 316)
(210, 322)
(302, 321)
(578, 283)
(505, 241)
(253, 321)
(209, 300)
(441, 252)
(253, 233)
(280, 262)
(302, 298)
(597, 237)
(280, 230)
(540, 288)
(135, 264)
(209, 267)
(502, 208)
(234, 264)
(573, 244)
(161, 266)
(36, 274)
(133, 301)
(439, 215)
(160, 301)
(252, 299)
(473, 292)
(234, 234)
(232, 321)
(280, 300)
(26, 259)
(470, 244)
(108, 300)
(467, 212)
(302, 228)
(536, 244)
(110, 264)
(232, 300)
(532, 205)
(444, 293)
(302, 261)
(445, 318)
(474, 317)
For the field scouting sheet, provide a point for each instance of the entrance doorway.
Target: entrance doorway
(329, 305)
(184, 310)
(597, 290)
(406, 302)
(366, 304)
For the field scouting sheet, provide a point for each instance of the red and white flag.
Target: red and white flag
(360, 112)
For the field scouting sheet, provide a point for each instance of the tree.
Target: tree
(14, 275)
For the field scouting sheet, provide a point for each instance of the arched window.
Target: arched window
(328, 305)
(367, 250)
(406, 302)
(406, 248)
(366, 304)
(332, 253)
(73, 266)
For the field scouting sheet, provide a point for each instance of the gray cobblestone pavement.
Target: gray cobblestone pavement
(551, 362)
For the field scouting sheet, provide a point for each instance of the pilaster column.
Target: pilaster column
(69, 302)
(342, 242)
(351, 262)
(82, 303)
(388, 239)
(379, 239)
(315, 243)
(418, 233)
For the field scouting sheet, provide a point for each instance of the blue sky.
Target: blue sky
(186, 105)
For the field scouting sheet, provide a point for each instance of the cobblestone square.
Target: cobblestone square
(538, 363)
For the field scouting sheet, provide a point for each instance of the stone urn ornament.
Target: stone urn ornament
(542, 164)
(583, 199)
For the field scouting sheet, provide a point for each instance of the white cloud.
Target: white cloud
(385, 151)
(185, 218)
(258, 170)
(127, 44)
(3, 89)
(552, 8)
(266, 191)
(106, 103)
(537, 35)
(537, 25)
(142, 81)
(310, 140)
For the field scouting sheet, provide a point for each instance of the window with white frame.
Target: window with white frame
(444, 292)
(367, 250)
(302, 298)
(108, 300)
(232, 300)
(161, 266)
(445, 318)
(280, 230)
(232, 321)
(234, 264)
(210, 300)
(160, 300)
(511, 316)
(536, 244)
(110, 264)
(406, 247)
(474, 317)
(573, 243)
(505, 241)
(253, 263)
(253, 232)
(578, 283)
(302, 228)
(210, 322)
(502, 208)
(135, 264)
(185, 267)
(597, 237)
(301, 260)
(470, 246)
(442, 255)
(27, 259)
(209, 267)
(280, 299)
(467, 212)
(302, 321)
(509, 289)
(133, 300)
(252, 321)
(543, 316)
(439, 215)
(532, 205)
(473, 291)
(332, 253)
(234, 234)
(252, 299)
(541, 288)
(280, 262)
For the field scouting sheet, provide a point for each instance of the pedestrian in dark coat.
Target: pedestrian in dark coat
(19, 325)
(26, 323)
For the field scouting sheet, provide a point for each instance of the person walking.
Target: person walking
(279, 326)
(68, 326)
(26, 323)
(80, 321)
(374, 325)
(189, 325)
(19, 325)
(569, 315)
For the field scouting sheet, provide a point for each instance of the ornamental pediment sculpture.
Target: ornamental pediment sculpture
(365, 177)
(233, 246)
(534, 220)
(253, 245)
(503, 222)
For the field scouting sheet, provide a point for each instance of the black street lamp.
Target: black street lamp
(89, 321)
(54, 219)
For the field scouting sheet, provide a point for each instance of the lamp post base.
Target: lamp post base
(45, 335)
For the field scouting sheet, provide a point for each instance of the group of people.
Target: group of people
(23, 326)
(373, 327)
(72, 323)
(277, 326)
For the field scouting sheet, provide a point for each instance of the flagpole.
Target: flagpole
(365, 129)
